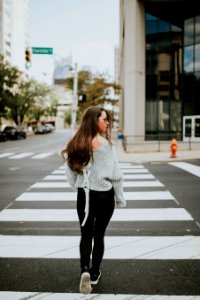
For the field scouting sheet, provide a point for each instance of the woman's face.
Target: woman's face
(103, 122)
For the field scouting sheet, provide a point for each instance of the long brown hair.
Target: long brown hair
(79, 149)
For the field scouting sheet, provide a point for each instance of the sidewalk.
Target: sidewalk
(154, 156)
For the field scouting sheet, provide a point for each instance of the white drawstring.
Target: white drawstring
(86, 174)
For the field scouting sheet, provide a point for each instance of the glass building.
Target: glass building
(168, 69)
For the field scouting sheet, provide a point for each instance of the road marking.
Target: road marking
(122, 165)
(116, 247)
(6, 154)
(72, 196)
(70, 215)
(126, 177)
(124, 171)
(21, 155)
(78, 296)
(41, 155)
(195, 170)
(62, 184)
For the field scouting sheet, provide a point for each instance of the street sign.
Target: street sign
(39, 50)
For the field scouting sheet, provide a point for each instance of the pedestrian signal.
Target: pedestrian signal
(28, 58)
(82, 98)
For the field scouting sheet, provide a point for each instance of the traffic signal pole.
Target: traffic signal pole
(75, 99)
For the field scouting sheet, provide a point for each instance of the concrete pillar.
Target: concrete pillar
(132, 68)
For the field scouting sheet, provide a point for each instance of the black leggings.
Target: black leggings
(101, 207)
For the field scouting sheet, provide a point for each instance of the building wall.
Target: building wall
(14, 31)
(132, 68)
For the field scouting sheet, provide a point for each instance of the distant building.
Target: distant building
(14, 31)
(116, 65)
(160, 69)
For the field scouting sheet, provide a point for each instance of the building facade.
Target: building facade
(14, 20)
(159, 69)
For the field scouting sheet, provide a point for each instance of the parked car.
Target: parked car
(3, 136)
(14, 133)
(40, 129)
(49, 127)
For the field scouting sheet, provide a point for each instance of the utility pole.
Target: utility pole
(75, 98)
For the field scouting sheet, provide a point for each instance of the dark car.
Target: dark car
(3, 136)
(14, 133)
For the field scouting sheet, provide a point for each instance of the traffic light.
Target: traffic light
(82, 98)
(28, 58)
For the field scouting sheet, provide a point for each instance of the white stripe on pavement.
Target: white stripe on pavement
(5, 154)
(78, 296)
(72, 196)
(116, 247)
(195, 170)
(126, 176)
(122, 165)
(21, 155)
(127, 169)
(70, 215)
(41, 155)
(62, 184)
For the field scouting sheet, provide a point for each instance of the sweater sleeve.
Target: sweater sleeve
(117, 182)
(71, 176)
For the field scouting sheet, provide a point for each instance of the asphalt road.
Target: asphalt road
(154, 246)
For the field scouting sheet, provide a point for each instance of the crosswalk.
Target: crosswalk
(53, 189)
(30, 155)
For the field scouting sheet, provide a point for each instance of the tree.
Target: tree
(27, 96)
(9, 77)
(95, 87)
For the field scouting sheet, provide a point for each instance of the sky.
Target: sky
(84, 30)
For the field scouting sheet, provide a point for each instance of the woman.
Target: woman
(92, 169)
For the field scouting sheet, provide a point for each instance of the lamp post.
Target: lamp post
(75, 98)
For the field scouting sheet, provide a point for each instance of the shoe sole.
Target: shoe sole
(85, 285)
(97, 280)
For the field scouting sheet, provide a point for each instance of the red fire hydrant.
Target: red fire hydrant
(173, 147)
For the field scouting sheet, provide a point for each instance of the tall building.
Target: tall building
(160, 69)
(116, 65)
(14, 31)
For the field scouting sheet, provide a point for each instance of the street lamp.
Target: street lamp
(75, 98)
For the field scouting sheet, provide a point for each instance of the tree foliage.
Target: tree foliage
(8, 79)
(20, 96)
(95, 87)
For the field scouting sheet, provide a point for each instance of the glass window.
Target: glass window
(163, 26)
(151, 117)
(175, 28)
(163, 115)
(189, 32)
(151, 27)
(197, 30)
(197, 127)
(188, 59)
(197, 57)
(188, 127)
(175, 116)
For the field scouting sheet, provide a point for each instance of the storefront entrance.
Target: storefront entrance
(191, 128)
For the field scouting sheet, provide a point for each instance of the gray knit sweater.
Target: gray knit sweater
(104, 173)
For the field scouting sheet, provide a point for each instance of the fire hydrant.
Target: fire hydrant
(173, 147)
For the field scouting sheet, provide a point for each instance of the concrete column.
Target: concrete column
(132, 46)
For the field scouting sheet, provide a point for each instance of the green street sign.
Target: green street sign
(39, 50)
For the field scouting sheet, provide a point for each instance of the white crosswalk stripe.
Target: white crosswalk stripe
(191, 168)
(144, 247)
(76, 296)
(64, 184)
(117, 247)
(26, 155)
(71, 196)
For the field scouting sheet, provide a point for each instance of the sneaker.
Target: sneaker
(95, 277)
(85, 285)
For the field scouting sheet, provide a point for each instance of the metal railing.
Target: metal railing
(160, 142)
